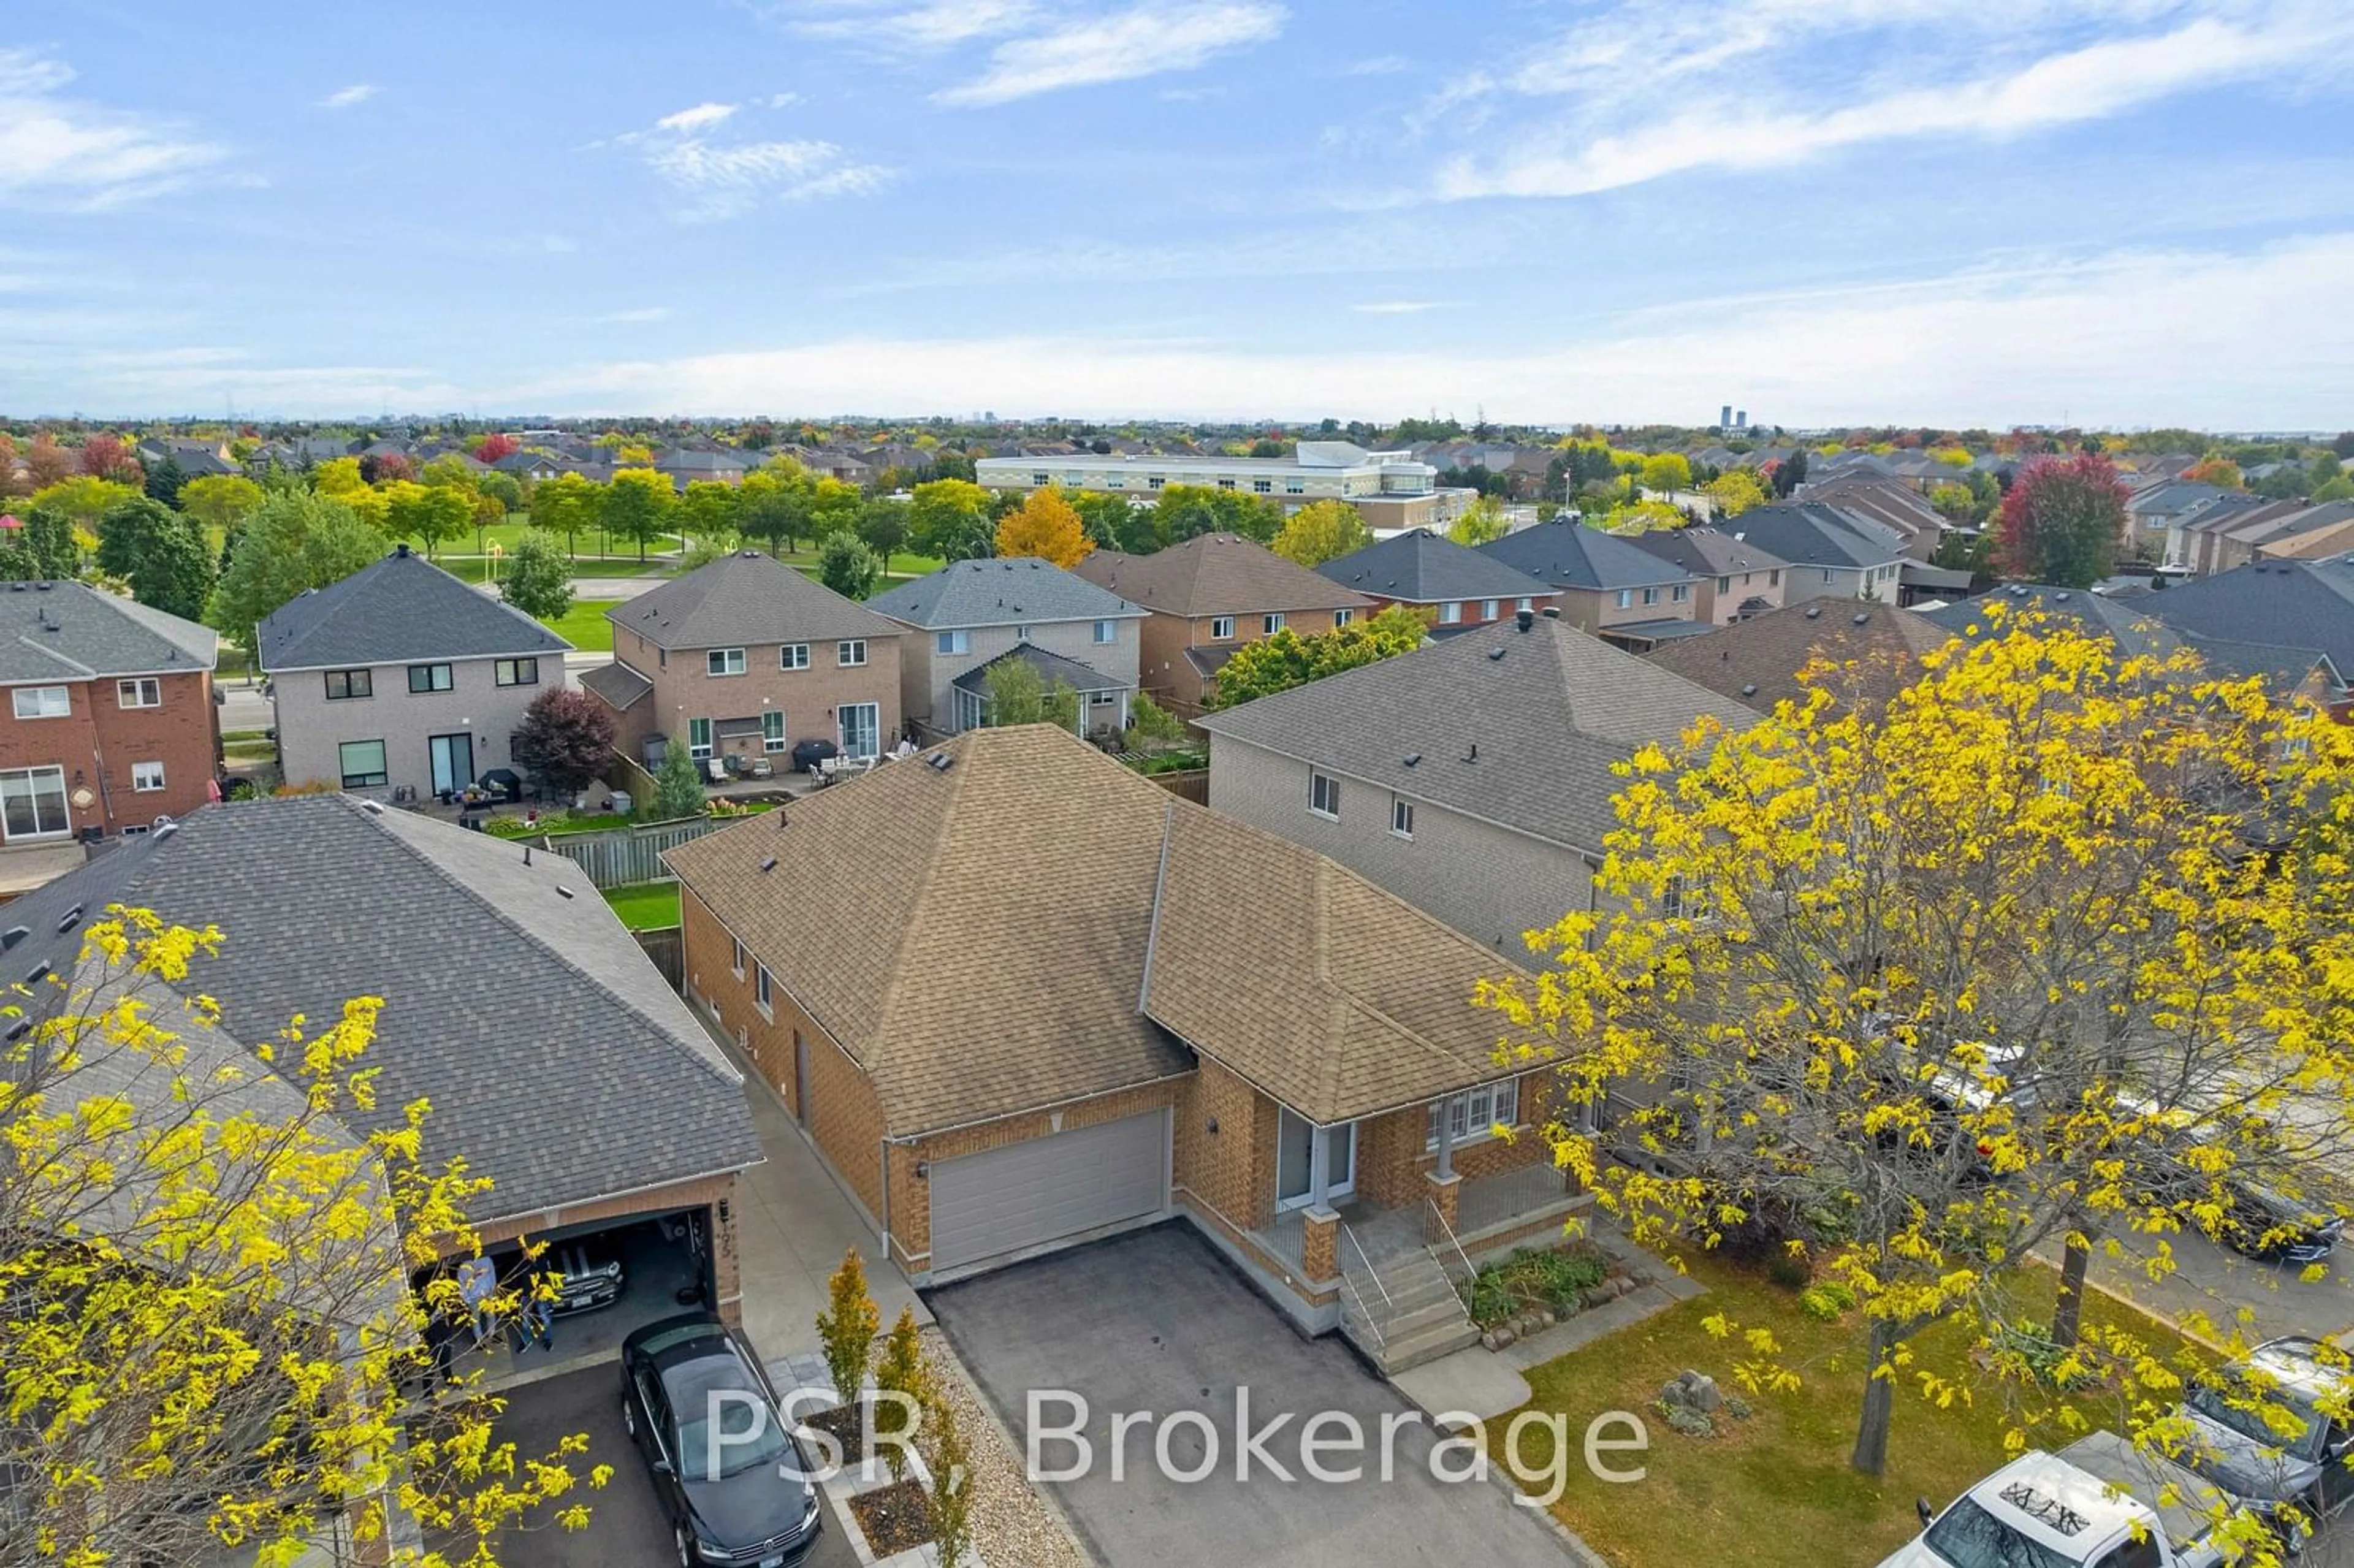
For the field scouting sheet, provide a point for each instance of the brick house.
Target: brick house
(1459, 589)
(1833, 553)
(1733, 580)
(1607, 586)
(1876, 651)
(1209, 596)
(1197, 1020)
(110, 722)
(743, 656)
(1473, 778)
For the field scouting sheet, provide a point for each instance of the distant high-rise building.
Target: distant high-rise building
(1724, 418)
(1741, 420)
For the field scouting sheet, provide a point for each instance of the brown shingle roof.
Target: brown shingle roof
(1756, 662)
(1216, 574)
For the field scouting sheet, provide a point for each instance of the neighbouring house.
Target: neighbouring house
(2289, 621)
(1889, 503)
(194, 458)
(1457, 588)
(1473, 777)
(1833, 553)
(1196, 1019)
(1608, 585)
(969, 614)
(684, 464)
(112, 723)
(743, 657)
(557, 1063)
(1733, 580)
(400, 682)
(2152, 511)
(1209, 596)
(1878, 649)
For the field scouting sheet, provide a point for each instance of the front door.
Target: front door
(862, 728)
(453, 762)
(1297, 1147)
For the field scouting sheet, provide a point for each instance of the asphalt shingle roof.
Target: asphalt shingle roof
(1053, 669)
(1525, 737)
(1421, 567)
(2138, 628)
(1216, 574)
(1009, 591)
(747, 599)
(1817, 534)
(616, 684)
(1572, 556)
(2291, 604)
(559, 1063)
(1707, 552)
(398, 611)
(1757, 661)
(72, 631)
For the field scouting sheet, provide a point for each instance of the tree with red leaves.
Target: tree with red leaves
(11, 482)
(495, 446)
(2062, 521)
(565, 739)
(106, 456)
(49, 463)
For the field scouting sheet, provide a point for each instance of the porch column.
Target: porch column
(1445, 1194)
(1319, 1255)
(1319, 1174)
(1445, 1143)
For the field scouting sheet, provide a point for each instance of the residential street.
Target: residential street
(2271, 1300)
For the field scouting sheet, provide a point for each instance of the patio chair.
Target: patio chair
(713, 771)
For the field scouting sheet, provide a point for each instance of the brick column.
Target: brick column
(1316, 1257)
(728, 1286)
(1447, 1191)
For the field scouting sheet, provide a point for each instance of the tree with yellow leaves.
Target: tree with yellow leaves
(211, 1341)
(1322, 531)
(2053, 951)
(1733, 493)
(1046, 526)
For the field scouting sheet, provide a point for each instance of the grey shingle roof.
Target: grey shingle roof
(1052, 668)
(1816, 533)
(72, 631)
(2293, 604)
(2130, 622)
(1706, 552)
(1421, 567)
(1216, 574)
(616, 682)
(747, 599)
(399, 609)
(1543, 723)
(559, 1063)
(1571, 555)
(1004, 592)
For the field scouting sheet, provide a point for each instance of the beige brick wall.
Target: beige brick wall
(1231, 1171)
(715, 1195)
(1490, 884)
(684, 688)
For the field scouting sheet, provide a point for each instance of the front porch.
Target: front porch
(1511, 1208)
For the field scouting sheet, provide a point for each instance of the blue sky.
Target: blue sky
(2118, 212)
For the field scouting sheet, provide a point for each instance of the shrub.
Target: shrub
(1826, 1301)
(900, 1370)
(2026, 1351)
(1557, 1278)
(847, 1329)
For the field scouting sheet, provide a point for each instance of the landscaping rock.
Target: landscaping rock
(1702, 1394)
(1504, 1336)
(1489, 1340)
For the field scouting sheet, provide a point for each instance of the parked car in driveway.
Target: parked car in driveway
(2098, 1503)
(2274, 1428)
(739, 1492)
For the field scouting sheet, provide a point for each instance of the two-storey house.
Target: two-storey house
(1457, 588)
(969, 614)
(1608, 586)
(743, 657)
(1733, 580)
(1209, 596)
(401, 682)
(1833, 553)
(110, 722)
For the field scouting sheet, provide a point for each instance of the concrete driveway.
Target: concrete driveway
(1156, 1321)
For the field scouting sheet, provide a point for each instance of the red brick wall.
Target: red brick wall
(97, 745)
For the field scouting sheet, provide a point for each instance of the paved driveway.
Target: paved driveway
(1156, 1321)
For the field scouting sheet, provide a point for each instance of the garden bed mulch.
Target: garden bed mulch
(894, 1518)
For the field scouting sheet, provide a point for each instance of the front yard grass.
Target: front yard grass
(585, 625)
(1779, 1483)
(645, 906)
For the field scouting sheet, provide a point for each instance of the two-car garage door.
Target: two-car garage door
(1028, 1194)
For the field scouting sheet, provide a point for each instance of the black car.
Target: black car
(2273, 1227)
(736, 1495)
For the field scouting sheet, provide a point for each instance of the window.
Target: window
(1474, 1113)
(44, 702)
(725, 661)
(772, 730)
(736, 956)
(1827, 574)
(341, 684)
(1041, 477)
(1295, 487)
(1679, 900)
(1154, 481)
(515, 672)
(144, 692)
(363, 764)
(1021, 634)
(851, 653)
(1106, 632)
(1524, 605)
(33, 803)
(699, 738)
(1341, 617)
(1681, 592)
(1324, 795)
(1488, 609)
(423, 678)
(1450, 612)
(793, 656)
(1774, 577)
(1221, 628)
(1651, 596)
(1269, 625)
(1118, 481)
(1625, 598)
(760, 993)
(1225, 484)
(1262, 486)
(953, 642)
(1725, 585)
(1402, 816)
(146, 778)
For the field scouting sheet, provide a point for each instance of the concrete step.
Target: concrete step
(1398, 1352)
(1404, 1324)
(1422, 1293)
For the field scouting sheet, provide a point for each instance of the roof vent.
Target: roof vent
(1472, 755)
(1411, 757)
(1495, 653)
(165, 828)
(14, 935)
(70, 919)
(1553, 612)
(1525, 619)
(41, 972)
(562, 892)
(19, 1029)
(1863, 618)
(41, 587)
(15, 587)
(2058, 598)
(940, 761)
(769, 864)
(1814, 611)
(373, 807)
(1749, 691)
(401, 551)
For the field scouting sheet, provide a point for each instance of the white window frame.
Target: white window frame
(1341, 617)
(1626, 599)
(1270, 623)
(139, 691)
(736, 955)
(724, 662)
(366, 779)
(1827, 574)
(1488, 607)
(1474, 1114)
(953, 642)
(1650, 596)
(26, 776)
(1323, 796)
(764, 991)
(1221, 628)
(1021, 634)
(1675, 904)
(1295, 487)
(1106, 632)
(1451, 612)
(1680, 593)
(49, 702)
(146, 778)
(849, 654)
(698, 750)
(1401, 817)
(772, 741)
(1524, 606)
(793, 656)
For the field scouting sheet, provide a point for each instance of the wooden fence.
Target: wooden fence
(667, 948)
(623, 856)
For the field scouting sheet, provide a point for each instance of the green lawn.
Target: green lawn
(647, 906)
(474, 568)
(1779, 1483)
(585, 625)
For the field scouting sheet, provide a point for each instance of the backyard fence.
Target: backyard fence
(667, 948)
(625, 856)
(624, 775)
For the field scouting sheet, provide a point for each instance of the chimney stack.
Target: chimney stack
(1525, 619)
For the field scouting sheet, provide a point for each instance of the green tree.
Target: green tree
(567, 503)
(504, 488)
(1481, 521)
(846, 1329)
(773, 506)
(833, 507)
(289, 542)
(639, 504)
(538, 578)
(950, 1498)
(221, 502)
(1322, 531)
(1152, 723)
(710, 510)
(565, 739)
(1116, 522)
(2062, 521)
(447, 472)
(426, 513)
(883, 524)
(164, 481)
(84, 500)
(1666, 472)
(1733, 493)
(1019, 695)
(42, 548)
(1286, 660)
(160, 553)
(903, 1389)
(678, 786)
(949, 518)
(847, 566)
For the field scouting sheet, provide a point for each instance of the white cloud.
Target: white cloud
(783, 100)
(1400, 307)
(888, 26)
(68, 151)
(345, 97)
(702, 116)
(1146, 40)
